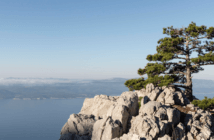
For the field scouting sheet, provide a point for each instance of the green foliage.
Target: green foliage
(210, 31)
(135, 84)
(152, 70)
(139, 103)
(204, 104)
(207, 57)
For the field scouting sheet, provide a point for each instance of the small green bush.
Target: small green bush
(204, 104)
(139, 103)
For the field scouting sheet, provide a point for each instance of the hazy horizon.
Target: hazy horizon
(50, 80)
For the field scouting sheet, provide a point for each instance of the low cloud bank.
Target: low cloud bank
(38, 81)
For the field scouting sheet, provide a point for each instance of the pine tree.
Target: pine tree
(183, 41)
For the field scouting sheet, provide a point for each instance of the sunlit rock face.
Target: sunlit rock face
(164, 114)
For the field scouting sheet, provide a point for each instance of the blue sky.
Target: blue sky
(90, 39)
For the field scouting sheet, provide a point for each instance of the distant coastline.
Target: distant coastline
(52, 98)
(80, 89)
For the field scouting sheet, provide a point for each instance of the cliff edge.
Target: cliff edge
(164, 114)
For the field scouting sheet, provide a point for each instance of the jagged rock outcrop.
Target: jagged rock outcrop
(106, 129)
(165, 114)
(79, 125)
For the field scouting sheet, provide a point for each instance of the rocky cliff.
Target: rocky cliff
(164, 114)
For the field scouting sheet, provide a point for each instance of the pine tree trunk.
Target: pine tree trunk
(188, 90)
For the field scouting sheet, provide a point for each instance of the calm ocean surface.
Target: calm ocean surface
(35, 119)
(39, 119)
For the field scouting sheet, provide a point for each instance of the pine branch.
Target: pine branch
(180, 57)
(207, 64)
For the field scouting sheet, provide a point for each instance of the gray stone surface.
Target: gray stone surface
(178, 132)
(106, 129)
(119, 112)
(129, 136)
(79, 124)
(145, 127)
(149, 108)
(144, 100)
(189, 136)
(165, 137)
(97, 105)
(173, 115)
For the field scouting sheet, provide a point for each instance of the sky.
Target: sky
(91, 39)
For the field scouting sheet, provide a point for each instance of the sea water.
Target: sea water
(40, 119)
(35, 119)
